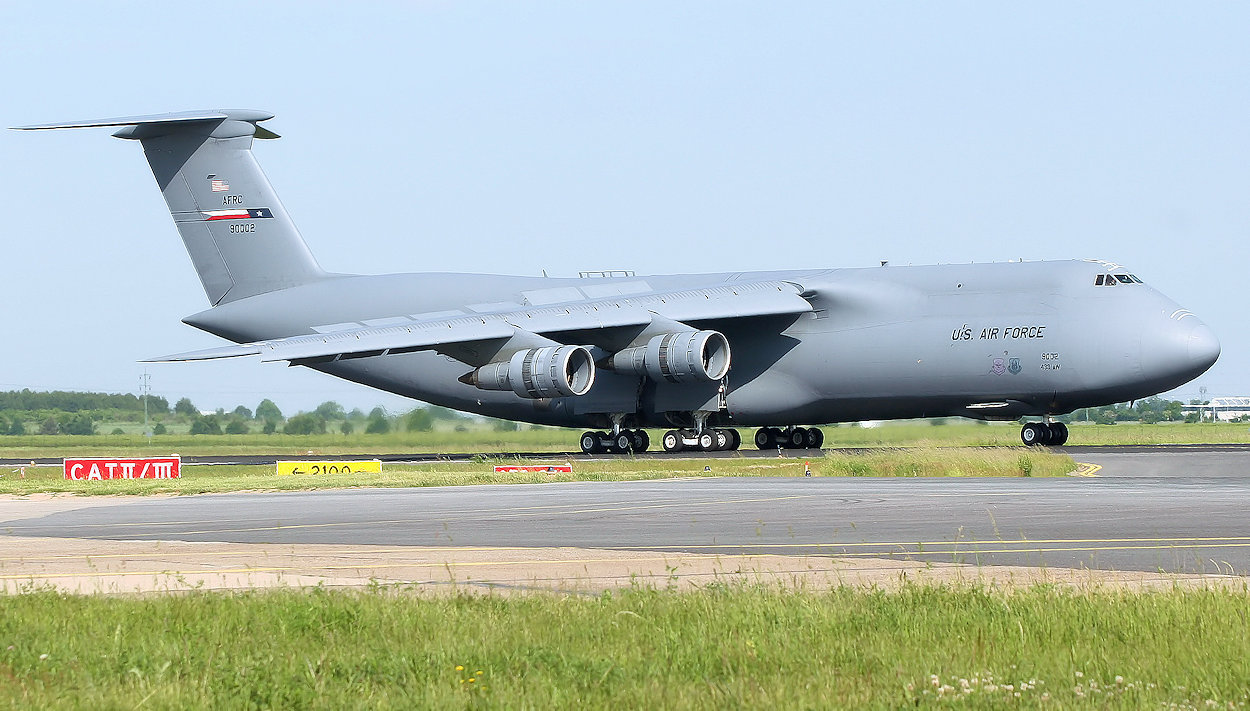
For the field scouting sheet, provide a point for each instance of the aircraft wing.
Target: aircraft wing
(768, 298)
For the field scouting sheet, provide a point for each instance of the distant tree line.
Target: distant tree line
(63, 412)
(66, 401)
(1151, 410)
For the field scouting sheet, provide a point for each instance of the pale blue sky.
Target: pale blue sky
(511, 138)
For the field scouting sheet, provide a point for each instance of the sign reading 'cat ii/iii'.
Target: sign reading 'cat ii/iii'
(92, 469)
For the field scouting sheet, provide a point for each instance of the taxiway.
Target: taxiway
(1180, 513)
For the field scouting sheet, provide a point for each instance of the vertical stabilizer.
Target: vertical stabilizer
(240, 238)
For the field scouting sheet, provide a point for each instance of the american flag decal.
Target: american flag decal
(256, 213)
(220, 186)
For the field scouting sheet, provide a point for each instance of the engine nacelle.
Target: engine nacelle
(677, 357)
(551, 371)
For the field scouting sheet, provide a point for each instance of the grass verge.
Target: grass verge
(548, 439)
(725, 646)
(1005, 461)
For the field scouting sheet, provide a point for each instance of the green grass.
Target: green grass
(724, 646)
(958, 433)
(1013, 461)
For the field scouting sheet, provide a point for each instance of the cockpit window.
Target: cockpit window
(1115, 279)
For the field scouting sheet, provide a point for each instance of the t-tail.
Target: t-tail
(240, 238)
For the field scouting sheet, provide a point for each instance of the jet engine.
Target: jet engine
(551, 371)
(677, 357)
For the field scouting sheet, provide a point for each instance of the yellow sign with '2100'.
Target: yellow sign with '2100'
(373, 466)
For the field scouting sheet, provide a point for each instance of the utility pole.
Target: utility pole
(145, 387)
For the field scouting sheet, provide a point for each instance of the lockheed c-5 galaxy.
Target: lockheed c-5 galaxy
(698, 353)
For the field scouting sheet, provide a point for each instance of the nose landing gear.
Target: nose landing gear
(1038, 434)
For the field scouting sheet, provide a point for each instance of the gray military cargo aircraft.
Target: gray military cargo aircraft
(618, 352)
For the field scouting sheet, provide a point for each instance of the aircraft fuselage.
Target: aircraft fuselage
(994, 341)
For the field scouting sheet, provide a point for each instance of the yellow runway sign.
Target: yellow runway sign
(373, 466)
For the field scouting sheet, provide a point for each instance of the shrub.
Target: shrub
(378, 425)
(304, 423)
(206, 424)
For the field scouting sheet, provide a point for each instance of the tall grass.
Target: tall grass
(719, 647)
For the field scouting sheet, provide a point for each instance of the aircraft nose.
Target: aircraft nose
(1204, 347)
(1180, 348)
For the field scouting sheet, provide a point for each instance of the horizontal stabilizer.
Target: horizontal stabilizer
(175, 117)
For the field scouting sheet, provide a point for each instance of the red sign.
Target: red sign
(548, 468)
(107, 468)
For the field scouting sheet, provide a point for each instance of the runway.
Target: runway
(1182, 512)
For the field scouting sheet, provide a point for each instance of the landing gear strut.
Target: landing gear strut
(623, 442)
(789, 438)
(1044, 433)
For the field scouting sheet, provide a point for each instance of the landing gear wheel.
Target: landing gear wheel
(797, 438)
(1035, 434)
(623, 442)
(672, 441)
(590, 443)
(1058, 434)
(815, 438)
(764, 438)
(641, 440)
(707, 441)
(735, 440)
(722, 440)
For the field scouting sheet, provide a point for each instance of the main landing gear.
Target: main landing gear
(1044, 433)
(709, 440)
(623, 442)
(789, 438)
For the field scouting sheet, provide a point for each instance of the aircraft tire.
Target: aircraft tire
(764, 438)
(735, 440)
(589, 442)
(722, 439)
(641, 440)
(1058, 434)
(707, 441)
(815, 438)
(623, 443)
(797, 438)
(672, 441)
(1034, 434)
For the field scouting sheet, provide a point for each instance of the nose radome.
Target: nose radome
(1177, 350)
(1204, 347)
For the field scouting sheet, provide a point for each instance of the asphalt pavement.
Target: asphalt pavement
(1180, 512)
